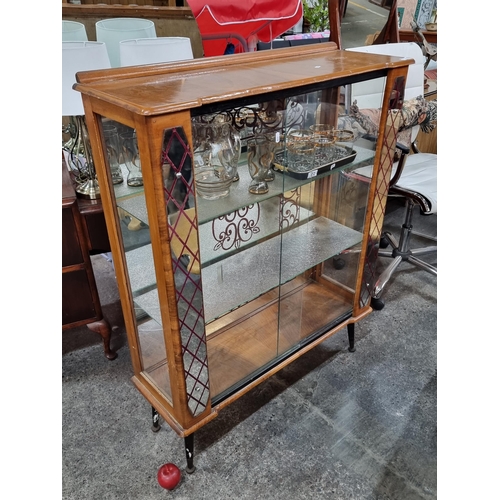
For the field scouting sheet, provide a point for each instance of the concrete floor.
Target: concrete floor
(333, 425)
(361, 19)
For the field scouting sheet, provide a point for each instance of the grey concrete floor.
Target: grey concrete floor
(334, 424)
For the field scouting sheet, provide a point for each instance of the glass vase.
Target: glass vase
(260, 156)
(217, 148)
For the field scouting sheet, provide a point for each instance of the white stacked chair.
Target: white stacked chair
(112, 31)
(73, 31)
(155, 50)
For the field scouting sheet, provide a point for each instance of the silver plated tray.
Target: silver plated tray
(343, 157)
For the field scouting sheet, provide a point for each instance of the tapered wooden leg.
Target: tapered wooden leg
(189, 447)
(103, 328)
(350, 333)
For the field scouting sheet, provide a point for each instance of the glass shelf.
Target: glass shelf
(240, 197)
(248, 226)
(272, 263)
(242, 277)
(132, 199)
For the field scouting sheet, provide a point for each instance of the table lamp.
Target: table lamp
(155, 50)
(113, 31)
(80, 56)
(73, 32)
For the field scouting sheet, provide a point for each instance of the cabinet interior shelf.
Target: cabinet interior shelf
(131, 199)
(252, 271)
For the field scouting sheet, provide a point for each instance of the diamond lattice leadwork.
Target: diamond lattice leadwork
(183, 231)
(384, 176)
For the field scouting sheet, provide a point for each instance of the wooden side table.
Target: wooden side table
(411, 36)
(83, 233)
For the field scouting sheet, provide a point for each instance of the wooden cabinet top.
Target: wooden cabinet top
(164, 88)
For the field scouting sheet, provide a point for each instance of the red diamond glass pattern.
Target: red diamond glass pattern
(382, 187)
(176, 164)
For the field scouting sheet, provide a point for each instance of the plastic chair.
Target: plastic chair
(73, 32)
(155, 50)
(414, 176)
(113, 31)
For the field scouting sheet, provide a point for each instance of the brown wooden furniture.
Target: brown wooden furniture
(336, 10)
(411, 36)
(83, 233)
(268, 291)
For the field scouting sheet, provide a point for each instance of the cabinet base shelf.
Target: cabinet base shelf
(240, 345)
(229, 396)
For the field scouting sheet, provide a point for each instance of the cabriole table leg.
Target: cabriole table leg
(103, 328)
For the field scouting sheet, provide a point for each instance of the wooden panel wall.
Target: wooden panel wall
(170, 20)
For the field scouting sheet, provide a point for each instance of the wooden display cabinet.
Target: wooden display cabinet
(218, 295)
